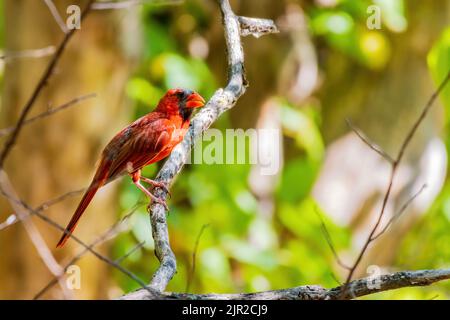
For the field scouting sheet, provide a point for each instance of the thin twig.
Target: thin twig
(335, 278)
(394, 168)
(327, 237)
(128, 273)
(38, 89)
(422, 117)
(30, 53)
(113, 231)
(370, 144)
(194, 258)
(49, 112)
(35, 236)
(54, 224)
(129, 253)
(12, 219)
(399, 213)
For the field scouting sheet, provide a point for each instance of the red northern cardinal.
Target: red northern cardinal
(145, 141)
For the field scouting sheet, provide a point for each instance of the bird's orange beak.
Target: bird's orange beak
(195, 101)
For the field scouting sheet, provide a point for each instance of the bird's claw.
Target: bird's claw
(160, 201)
(165, 187)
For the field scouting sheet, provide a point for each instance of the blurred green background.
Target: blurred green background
(325, 66)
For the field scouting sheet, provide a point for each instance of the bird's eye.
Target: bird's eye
(181, 94)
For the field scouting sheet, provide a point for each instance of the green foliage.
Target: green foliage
(393, 14)
(439, 64)
(344, 28)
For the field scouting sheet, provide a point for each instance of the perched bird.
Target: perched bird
(145, 141)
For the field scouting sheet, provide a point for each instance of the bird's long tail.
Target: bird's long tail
(99, 180)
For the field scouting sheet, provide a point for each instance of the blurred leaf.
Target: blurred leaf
(393, 14)
(130, 195)
(262, 233)
(142, 91)
(302, 220)
(302, 127)
(439, 64)
(216, 270)
(157, 39)
(374, 48)
(246, 253)
(142, 228)
(297, 180)
(179, 73)
(419, 248)
(346, 31)
(332, 22)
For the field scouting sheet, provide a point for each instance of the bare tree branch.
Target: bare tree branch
(395, 164)
(221, 101)
(33, 233)
(370, 144)
(12, 219)
(31, 53)
(327, 236)
(108, 261)
(49, 112)
(256, 27)
(359, 288)
(38, 89)
(54, 224)
(194, 258)
(107, 235)
(129, 253)
(399, 213)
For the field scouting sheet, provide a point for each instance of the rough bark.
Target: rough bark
(357, 288)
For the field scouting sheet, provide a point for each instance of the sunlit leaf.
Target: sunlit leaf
(142, 91)
(439, 64)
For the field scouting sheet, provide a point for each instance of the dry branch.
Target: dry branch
(191, 272)
(38, 89)
(394, 167)
(113, 231)
(16, 201)
(35, 236)
(106, 260)
(22, 209)
(256, 27)
(358, 288)
(49, 112)
(12, 219)
(221, 101)
(31, 53)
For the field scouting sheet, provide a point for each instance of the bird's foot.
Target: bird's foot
(160, 201)
(158, 184)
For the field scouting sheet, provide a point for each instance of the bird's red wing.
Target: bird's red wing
(145, 142)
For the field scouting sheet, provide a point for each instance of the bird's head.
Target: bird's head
(180, 101)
